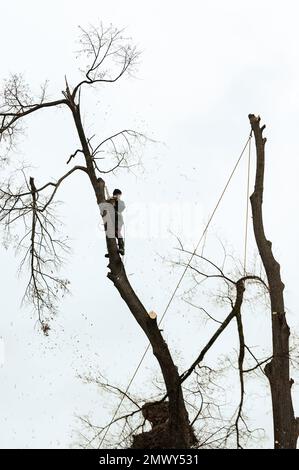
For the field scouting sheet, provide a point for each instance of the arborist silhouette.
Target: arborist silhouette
(119, 207)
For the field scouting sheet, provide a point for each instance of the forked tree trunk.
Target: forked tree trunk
(278, 369)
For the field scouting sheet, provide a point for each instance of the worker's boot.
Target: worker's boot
(121, 246)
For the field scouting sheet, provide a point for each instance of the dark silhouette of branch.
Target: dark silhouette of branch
(237, 306)
(16, 103)
(241, 376)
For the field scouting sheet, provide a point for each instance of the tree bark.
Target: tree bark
(278, 369)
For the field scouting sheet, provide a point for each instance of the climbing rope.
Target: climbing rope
(247, 203)
(178, 285)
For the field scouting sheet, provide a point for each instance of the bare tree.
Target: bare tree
(110, 56)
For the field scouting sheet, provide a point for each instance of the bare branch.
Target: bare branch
(122, 146)
(109, 54)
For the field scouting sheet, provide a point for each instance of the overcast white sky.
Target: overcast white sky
(204, 67)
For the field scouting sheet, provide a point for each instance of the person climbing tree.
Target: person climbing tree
(117, 219)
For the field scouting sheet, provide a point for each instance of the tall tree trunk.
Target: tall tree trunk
(179, 430)
(278, 369)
